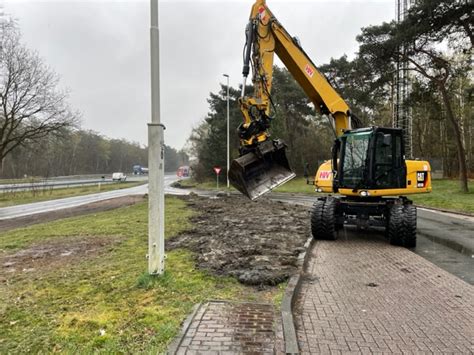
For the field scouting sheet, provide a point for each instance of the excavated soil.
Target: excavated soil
(256, 242)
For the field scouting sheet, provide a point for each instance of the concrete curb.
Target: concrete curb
(174, 346)
(289, 299)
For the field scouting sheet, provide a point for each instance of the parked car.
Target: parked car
(119, 177)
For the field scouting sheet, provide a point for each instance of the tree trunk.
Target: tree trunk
(458, 138)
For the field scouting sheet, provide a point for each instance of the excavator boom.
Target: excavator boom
(263, 164)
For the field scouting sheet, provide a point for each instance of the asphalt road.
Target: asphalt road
(68, 202)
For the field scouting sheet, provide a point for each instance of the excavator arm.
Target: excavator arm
(267, 37)
(263, 164)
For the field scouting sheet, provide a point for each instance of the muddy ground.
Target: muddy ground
(256, 242)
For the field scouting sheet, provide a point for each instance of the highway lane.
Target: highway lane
(69, 202)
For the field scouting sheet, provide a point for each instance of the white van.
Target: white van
(119, 177)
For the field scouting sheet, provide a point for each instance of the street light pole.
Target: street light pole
(228, 149)
(156, 198)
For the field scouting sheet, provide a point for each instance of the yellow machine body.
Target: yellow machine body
(415, 183)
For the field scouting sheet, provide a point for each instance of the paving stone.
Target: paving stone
(232, 328)
(366, 296)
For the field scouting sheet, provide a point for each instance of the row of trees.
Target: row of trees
(39, 133)
(75, 152)
(436, 39)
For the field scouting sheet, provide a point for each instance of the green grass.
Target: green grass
(446, 195)
(206, 185)
(13, 197)
(106, 303)
(296, 185)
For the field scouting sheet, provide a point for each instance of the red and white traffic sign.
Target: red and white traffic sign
(217, 169)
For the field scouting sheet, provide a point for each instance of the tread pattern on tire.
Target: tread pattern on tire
(395, 225)
(323, 219)
(409, 226)
(401, 228)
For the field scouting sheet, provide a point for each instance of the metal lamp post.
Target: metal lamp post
(228, 149)
(156, 198)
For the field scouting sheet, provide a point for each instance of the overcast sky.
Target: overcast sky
(101, 51)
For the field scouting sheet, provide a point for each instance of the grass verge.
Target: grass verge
(446, 195)
(11, 198)
(104, 302)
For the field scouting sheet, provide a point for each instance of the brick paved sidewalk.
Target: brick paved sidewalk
(232, 328)
(366, 296)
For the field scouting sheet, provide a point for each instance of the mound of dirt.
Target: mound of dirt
(256, 242)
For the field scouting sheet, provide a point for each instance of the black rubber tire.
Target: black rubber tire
(316, 218)
(323, 219)
(409, 226)
(395, 228)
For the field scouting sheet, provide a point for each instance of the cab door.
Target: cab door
(389, 170)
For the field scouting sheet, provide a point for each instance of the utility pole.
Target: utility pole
(156, 198)
(228, 149)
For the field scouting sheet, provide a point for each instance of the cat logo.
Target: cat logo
(420, 176)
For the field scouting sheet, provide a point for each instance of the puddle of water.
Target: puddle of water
(446, 258)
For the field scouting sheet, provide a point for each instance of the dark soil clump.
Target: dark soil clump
(256, 242)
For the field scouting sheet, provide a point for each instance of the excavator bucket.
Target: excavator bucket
(256, 173)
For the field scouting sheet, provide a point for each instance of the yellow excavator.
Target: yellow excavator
(368, 170)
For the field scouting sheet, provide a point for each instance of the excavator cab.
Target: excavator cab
(261, 169)
(370, 158)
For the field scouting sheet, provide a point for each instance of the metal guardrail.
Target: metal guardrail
(48, 185)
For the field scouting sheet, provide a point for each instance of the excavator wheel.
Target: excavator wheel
(323, 219)
(409, 226)
(395, 225)
(401, 226)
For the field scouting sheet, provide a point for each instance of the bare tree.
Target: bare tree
(31, 106)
